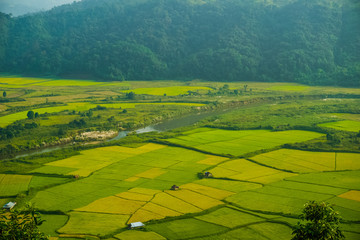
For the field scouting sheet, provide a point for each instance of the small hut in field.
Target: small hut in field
(135, 225)
(9, 205)
(174, 187)
(208, 174)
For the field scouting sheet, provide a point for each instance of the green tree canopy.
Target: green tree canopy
(21, 225)
(30, 115)
(319, 222)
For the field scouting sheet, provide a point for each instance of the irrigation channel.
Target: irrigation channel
(166, 125)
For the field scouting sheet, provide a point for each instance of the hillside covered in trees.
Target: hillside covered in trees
(307, 41)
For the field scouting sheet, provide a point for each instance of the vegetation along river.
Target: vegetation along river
(160, 127)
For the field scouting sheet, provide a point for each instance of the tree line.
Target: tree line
(313, 42)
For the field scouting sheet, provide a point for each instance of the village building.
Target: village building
(135, 225)
(9, 205)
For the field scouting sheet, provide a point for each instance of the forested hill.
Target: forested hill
(306, 41)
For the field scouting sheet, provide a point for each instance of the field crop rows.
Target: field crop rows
(286, 197)
(304, 161)
(346, 125)
(103, 190)
(11, 185)
(131, 184)
(97, 192)
(237, 143)
(245, 170)
(170, 91)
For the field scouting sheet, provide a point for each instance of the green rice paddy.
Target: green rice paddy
(346, 125)
(306, 161)
(257, 189)
(170, 91)
(11, 185)
(237, 143)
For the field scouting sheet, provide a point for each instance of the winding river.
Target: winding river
(160, 127)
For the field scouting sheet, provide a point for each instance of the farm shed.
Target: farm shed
(174, 187)
(9, 205)
(135, 225)
(208, 174)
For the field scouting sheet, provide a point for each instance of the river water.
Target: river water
(160, 127)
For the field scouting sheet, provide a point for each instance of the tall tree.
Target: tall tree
(319, 221)
(18, 225)
(30, 114)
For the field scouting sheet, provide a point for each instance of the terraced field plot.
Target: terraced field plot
(237, 143)
(292, 87)
(81, 106)
(288, 196)
(93, 223)
(261, 231)
(11, 184)
(186, 228)
(158, 204)
(111, 175)
(304, 161)
(346, 125)
(20, 80)
(138, 235)
(170, 91)
(229, 217)
(352, 195)
(245, 170)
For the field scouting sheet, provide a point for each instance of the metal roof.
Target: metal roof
(136, 224)
(9, 205)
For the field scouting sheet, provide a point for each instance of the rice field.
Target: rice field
(175, 204)
(52, 223)
(201, 201)
(292, 88)
(288, 197)
(83, 106)
(170, 91)
(12, 184)
(112, 205)
(123, 168)
(305, 161)
(352, 195)
(135, 196)
(97, 224)
(237, 143)
(346, 125)
(155, 205)
(234, 186)
(152, 211)
(11, 80)
(186, 228)
(261, 231)
(41, 182)
(117, 185)
(138, 235)
(245, 170)
(231, 218)
(207, 191)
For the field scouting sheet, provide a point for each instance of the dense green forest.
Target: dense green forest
(308, 41)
